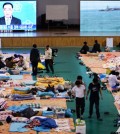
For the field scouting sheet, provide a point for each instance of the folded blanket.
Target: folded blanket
(17, 97)
(4, 77)
(20, 108)
(47, 113)
(23, 89)
(39, 93)
(47, 122)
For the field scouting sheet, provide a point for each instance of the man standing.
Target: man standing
(34, 58)
(48, 59)
(94, 89)
(8, 19)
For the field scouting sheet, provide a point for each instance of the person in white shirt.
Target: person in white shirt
(48, 59)
(79, 92)
(112, 80)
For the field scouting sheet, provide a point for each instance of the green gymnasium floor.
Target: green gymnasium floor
(67, 66)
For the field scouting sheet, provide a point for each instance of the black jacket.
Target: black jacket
(84, 49)
(14, 21)
(34, 55)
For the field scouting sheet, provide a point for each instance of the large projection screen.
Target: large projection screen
(99, 18)
(56, 12)
(18, 15)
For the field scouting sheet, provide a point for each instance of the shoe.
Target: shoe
(89, 117)
(99, 119)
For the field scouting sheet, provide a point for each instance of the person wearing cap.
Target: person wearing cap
(85, 48)
(34, 58)
(48, 59)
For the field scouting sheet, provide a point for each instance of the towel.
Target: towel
(18, 127)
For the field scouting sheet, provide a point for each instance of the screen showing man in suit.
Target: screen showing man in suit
(8, 18)
(18, 15)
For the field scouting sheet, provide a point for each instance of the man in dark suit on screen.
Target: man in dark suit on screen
(8, 19)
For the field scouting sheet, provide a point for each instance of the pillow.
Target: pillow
(4, 77)
(33, 117)
(20, 119)
(23, 89)
(7, 112)
(39, 93)
(4, 117)
(30, 82)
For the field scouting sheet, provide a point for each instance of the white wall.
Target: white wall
(73, 8)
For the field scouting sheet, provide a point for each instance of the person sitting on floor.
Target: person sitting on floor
(22, 63)
(96, 47)
(10, 62)
(85, 48)
(2, 65)
(113, 81)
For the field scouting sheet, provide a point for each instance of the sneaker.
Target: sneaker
(99, 119)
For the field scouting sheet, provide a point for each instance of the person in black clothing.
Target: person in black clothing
(94, 89)
(118, 45)
(96, 47)
(2, 65)
(34, 58)
(84, 49)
